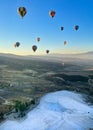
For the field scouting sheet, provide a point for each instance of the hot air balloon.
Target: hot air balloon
(17, 44)
(38, 39)
(34, 47)
(47, 51)
(61, 28)
(14, 45)
(76, 27)
(22, 11)
(65, 42)
(52, 13)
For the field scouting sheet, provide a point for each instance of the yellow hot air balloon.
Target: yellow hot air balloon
(22, 11)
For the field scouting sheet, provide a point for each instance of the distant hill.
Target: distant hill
(90, 52)
(52, 57)
(9, 55)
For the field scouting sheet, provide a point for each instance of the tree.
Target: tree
(1, 115)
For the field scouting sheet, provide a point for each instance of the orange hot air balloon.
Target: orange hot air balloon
(52, 13)
(34, 48)
(38, 39)
(65, 42)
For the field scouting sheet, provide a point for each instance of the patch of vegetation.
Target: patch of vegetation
(91, 76)
(20, 107)
(72, 78)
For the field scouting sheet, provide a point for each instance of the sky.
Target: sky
(38, 23)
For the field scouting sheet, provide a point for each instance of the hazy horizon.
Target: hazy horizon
(44, 54)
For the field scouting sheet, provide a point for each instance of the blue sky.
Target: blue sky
(38, 23)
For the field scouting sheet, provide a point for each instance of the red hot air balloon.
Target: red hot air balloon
(52, 13)
(65, 42)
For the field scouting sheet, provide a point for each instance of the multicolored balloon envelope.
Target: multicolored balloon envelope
(22, 11)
